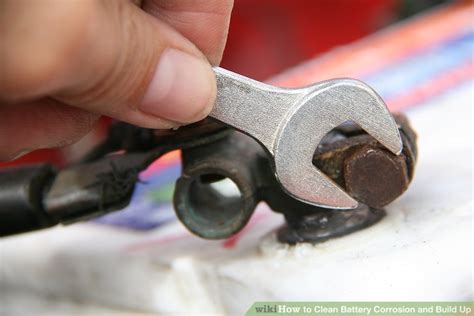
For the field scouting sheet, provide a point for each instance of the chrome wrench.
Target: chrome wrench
(290, 123)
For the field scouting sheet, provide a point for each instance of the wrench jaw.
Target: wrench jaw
(361, 104)
(324, 107)
(354, 100)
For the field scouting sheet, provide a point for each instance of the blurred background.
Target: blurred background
(258, 44)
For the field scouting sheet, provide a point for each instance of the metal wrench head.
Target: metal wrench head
(321, 108)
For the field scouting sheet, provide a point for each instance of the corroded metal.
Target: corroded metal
(202, 208)
(322, 225)
(104, 182)
(349, 156)
(364, 168)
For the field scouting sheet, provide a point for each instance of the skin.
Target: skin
(63, 64)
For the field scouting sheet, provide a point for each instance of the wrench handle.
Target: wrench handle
(250, 106)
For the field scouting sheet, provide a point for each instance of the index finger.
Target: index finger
(205, 23)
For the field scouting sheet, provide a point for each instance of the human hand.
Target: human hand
(65, 63)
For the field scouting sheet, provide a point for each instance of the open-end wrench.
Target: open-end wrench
(290, 123)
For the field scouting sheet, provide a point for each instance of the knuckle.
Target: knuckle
(124, 64)
(73, 123)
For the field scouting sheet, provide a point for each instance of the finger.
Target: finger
(108, 57)
(205, 23)
(41, 124)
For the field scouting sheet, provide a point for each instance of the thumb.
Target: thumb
(112, 58)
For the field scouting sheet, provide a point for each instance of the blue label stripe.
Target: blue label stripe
(424, 66)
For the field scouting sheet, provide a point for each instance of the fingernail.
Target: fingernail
(183, 88)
